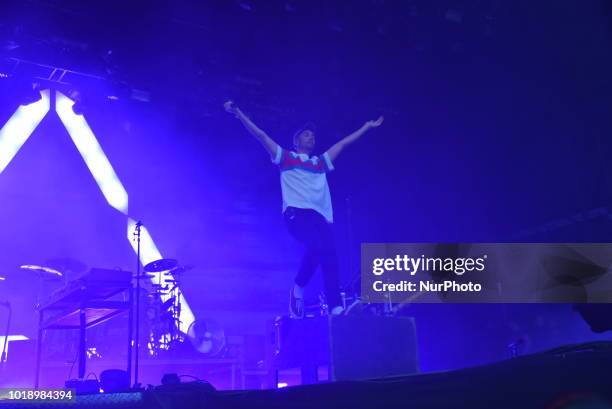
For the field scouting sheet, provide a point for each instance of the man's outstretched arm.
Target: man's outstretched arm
(335, 150)
(267, 142)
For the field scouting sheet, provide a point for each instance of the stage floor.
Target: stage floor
(575, 376)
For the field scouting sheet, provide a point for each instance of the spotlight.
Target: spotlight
(79, 107)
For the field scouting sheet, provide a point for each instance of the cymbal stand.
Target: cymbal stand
(137, 336)
(157, 339)
(6, 335)
(178, 314)
(174, 326)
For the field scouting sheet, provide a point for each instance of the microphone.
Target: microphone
(136, 233)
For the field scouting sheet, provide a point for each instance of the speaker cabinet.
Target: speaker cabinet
(353, 347)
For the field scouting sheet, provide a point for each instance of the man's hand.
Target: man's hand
(230, 107)
(267, 142)
(375, 124)
(335, 150)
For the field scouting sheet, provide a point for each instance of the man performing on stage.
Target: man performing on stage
(307, 207)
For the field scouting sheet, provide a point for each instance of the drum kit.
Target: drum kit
(163, 313)
(163, 306)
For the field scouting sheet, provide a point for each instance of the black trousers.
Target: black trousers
(310, 227)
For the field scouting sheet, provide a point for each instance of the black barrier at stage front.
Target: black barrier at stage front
(555, 379)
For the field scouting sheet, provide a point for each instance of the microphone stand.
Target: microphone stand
(8, 328)
(353, 286)
(136, 344)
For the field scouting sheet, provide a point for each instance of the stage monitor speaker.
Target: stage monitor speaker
(363, 347)
(354, 347)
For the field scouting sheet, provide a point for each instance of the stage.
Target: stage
(574, 376)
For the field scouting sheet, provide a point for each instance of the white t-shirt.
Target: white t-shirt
(304, 181)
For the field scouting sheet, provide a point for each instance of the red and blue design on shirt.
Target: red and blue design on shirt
(289, 160)
(304, 181)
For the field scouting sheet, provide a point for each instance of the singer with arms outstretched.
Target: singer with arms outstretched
(307, 207)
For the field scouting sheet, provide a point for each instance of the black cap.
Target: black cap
(308, 126)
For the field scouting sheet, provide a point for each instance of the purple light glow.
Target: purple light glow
(25, 120)
(111, 187)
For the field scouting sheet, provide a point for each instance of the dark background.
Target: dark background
(497, 128)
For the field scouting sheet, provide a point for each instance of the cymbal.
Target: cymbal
(45, 272)
(160, 265)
